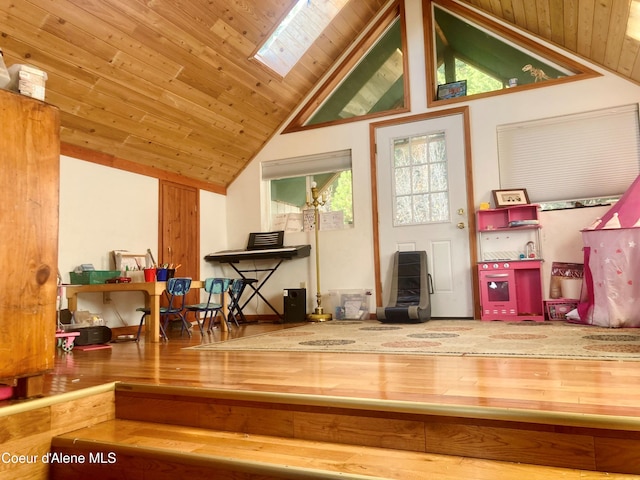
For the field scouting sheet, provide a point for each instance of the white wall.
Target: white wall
(213, 230)
(347, 256)
(104, 209)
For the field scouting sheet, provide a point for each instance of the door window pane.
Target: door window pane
(421, 186)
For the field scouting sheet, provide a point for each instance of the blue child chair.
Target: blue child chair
(176, 290)
(215, 288)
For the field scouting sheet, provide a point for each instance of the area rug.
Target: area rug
(554, 339)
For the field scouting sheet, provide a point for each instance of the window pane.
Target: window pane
(401, 153)
(421, 179)
(421, 186)
(437, 148)
(466, 51)
(289, 192)
(438, 178)
(375, 85)
(421, 209)
(290, 195)
(440, 207)
(403, 181)
(419, 150)
(403, 211)
(337, 194)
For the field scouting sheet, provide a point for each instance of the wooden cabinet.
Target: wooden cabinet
(510, 270)
(29, 186)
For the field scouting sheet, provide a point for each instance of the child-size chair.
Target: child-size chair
(216, 288)
(176, 290)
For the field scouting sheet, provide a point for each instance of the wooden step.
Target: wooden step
(133, 449)
(574, 441)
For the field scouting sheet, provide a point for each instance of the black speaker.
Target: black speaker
(95, 335)
(295, 305)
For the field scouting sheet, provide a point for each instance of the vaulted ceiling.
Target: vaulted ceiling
(169, 86)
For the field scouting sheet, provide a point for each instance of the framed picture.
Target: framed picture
(509, 198)
(452, 90)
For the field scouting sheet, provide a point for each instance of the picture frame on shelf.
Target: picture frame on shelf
(511, 197)
(452, 90)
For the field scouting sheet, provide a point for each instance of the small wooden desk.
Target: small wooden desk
(152, 290)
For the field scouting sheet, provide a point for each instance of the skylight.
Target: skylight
(633, 25)
(300, 28)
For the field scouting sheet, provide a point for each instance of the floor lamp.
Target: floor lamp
(318, 314)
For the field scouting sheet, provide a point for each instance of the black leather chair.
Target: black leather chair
(411, 288)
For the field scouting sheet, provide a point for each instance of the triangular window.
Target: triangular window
(365, 86)
(476, 56)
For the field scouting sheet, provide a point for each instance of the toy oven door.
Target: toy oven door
(498, 292)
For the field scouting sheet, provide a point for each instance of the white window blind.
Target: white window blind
(307, 165)
(592, 154)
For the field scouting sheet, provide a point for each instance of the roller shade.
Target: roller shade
(592, 154)
(307, 165)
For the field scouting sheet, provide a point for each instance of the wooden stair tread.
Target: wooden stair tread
(199, 446)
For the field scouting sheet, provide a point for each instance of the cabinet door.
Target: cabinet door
(498, 294)
(29, 184)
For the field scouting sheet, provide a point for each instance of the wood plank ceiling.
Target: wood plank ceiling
(593, 29)
(168, 84)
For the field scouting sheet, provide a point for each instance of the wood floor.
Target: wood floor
(507, 417)
(609, 388)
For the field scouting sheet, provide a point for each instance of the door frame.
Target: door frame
(471, 221)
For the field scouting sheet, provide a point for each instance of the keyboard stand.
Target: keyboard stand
(256, 285)
(278, 255)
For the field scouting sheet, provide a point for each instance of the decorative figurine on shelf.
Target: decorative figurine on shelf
(536, 73)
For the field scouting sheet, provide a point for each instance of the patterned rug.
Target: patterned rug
(555, 339)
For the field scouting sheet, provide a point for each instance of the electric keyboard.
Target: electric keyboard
(235, 256)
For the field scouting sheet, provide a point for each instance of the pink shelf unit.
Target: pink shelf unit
(503, 218)
(510, 233)
(510, 277)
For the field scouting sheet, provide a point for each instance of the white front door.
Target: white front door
(422, 205)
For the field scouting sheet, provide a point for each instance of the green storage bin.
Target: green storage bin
(92, 277)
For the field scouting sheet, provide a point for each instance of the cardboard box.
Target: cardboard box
(28, 81)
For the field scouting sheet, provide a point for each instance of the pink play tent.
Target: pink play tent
(612, 265)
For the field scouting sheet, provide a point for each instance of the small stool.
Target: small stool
(235, 294)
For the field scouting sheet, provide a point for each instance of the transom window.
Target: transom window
(375, 85)
(420, 182)
(469, 54)
(370, 82)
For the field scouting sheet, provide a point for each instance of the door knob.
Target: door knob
(460, 225)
